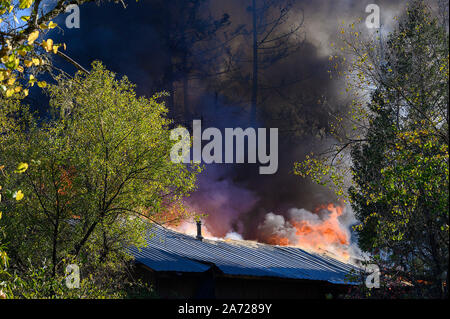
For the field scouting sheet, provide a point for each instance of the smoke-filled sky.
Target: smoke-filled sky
(133, 42)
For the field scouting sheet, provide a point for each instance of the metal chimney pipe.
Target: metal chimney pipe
(199, 230)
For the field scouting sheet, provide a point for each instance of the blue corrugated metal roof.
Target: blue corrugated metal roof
(160, 260)
(168, 250)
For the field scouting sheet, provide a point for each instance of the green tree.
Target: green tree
(401, 170)
(5, 276)
(97, 169)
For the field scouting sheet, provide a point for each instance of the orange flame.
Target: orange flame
(328, 236)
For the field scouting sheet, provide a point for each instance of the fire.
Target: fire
(329, 232)
(320, 231)
(324, 235)
(280, 241)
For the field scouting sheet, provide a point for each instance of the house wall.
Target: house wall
(261, 288)
(177, 284)
(212, 284)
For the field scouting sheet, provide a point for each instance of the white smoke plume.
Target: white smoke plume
(327, 230)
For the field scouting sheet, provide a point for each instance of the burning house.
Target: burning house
(183, 266)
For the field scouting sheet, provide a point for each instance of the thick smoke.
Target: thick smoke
(239, 202)
(223, 201)
(326, 230)
(277, 225)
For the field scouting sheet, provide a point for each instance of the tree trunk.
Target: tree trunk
(55, 248)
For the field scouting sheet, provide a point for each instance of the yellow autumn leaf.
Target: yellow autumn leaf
(22, 52)
(19, 195)
(32, 80)
(9, 92)
(33, 36)
(24, 4)
(28, 63)
(47, 45)
(42, 84)
(21, 168)
(52, 25)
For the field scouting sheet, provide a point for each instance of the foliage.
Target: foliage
(39, 283)
(322, 172)
(398, 148)
(96, 170)
(22, 23)
(5, 276)
(25, 48)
